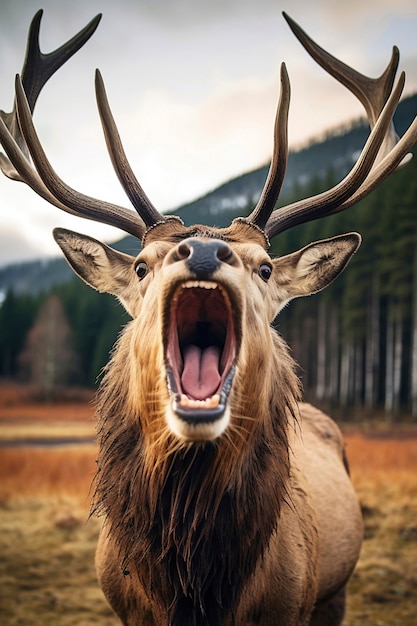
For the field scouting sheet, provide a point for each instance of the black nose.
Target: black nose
(204, 257)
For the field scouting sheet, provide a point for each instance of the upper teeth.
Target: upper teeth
(203, 284)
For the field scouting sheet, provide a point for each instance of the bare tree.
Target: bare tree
(414, 343)
(48, 358)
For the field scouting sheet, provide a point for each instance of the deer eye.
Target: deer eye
(141, 269)
(265, 271)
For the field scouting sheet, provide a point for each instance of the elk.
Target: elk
(226, 500)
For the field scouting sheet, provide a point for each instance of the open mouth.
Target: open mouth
(200, 351)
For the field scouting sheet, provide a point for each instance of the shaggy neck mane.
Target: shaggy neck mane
(194, 519)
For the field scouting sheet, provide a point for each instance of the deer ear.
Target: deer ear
(312, 268)
(97, 264)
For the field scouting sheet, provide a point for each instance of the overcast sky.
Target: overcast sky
(193, 86)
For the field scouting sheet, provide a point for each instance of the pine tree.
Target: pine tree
(16, 317)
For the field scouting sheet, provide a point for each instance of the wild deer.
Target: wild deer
(225, 499)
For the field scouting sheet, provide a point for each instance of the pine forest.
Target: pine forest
(355, 343)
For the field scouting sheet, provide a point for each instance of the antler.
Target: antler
(37, 69)
(276, 174)
(121, 165)
(382, 154)
(19, 140)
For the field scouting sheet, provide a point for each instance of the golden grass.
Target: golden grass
(17, 431)
(47, 545)
(17, 402)
(382, 591)
(23, 420)
(74, 412)
(47, 542)
(39, 472)
(369, 453)
(47, 572)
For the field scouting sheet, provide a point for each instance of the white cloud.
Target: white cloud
(15, 246)
(193, 86)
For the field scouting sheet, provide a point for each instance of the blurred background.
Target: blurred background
(193, 86)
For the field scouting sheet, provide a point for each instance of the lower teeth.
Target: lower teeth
(208, 403)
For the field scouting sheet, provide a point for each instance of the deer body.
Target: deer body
(255, 525)
(226, 502)
(307, 559)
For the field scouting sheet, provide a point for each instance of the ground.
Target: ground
(47, 540)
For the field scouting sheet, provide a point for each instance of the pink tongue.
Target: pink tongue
(200, 377)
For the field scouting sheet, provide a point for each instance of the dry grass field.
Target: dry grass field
(383, 589)
(47, 541)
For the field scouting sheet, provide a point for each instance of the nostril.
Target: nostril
(224, 252)
(183, 250)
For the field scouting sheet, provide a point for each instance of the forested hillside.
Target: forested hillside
(337, 150)
(356, 342)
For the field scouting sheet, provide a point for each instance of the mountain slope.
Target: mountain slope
(337, 151)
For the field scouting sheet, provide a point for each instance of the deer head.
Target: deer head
(193, 291)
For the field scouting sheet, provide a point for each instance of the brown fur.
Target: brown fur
(258, 526)
(188, 517)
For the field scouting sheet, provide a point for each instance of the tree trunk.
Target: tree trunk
(372, 348)
(389, 366)
(321, 351)
(334, 355)
(50, 365)
(346, 374)
(358, 373)
(398, 354)
(414, 342)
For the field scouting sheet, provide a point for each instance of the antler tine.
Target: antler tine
(21, 165)
(68, 199)
(124, 172)
(276, 173)
(382, 153)
(37, 69)
(332, 200)
(290, 216)
(394, 159)
(371, 92)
